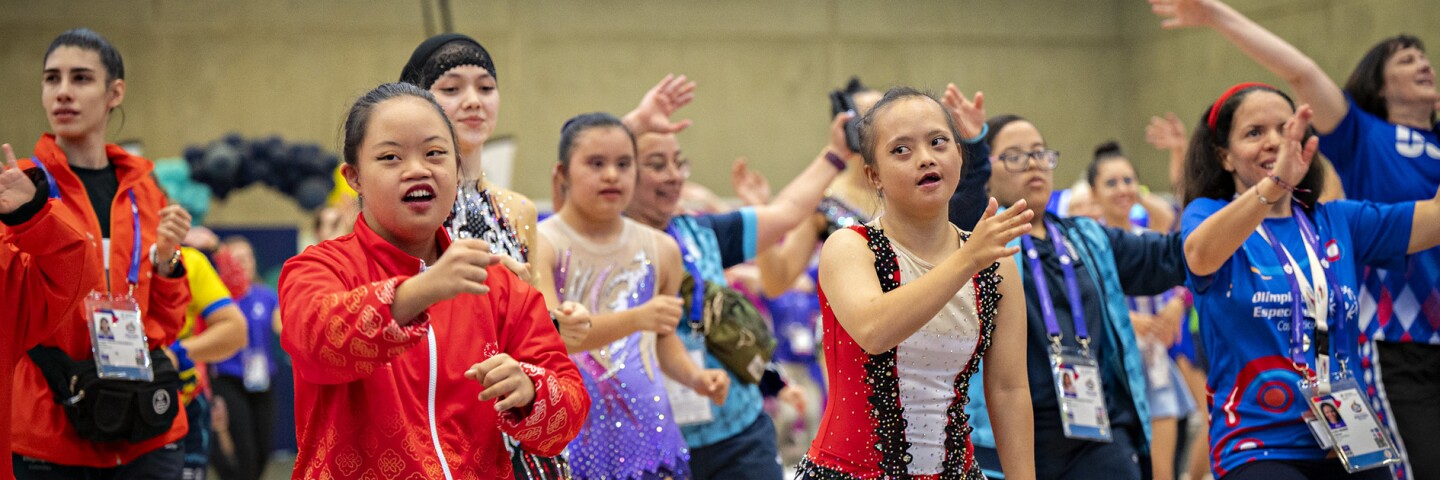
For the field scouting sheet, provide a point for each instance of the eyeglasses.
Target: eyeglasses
(1020, 161)
(681, 165)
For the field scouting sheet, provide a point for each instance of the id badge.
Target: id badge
(687, 406)
(257, 371)
(117, 338)
(1081, 396)
(1359, 439)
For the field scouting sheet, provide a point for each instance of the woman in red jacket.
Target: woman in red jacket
(413, 353)
(102, 190)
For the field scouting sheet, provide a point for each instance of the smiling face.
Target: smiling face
(471, 98)
(1116, 189)
(661, 179)
(1409, 78)
(917, 162)
(1035, 183)
(600, 174)
(78, 93)
(405, 170)
(1255, 138)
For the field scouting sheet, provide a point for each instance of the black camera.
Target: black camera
(841, 102)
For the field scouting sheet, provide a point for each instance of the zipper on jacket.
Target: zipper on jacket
(430, 395)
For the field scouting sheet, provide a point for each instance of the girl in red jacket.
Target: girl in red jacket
(413, 353)
(133, 250)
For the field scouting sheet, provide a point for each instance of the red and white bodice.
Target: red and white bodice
(900, 414)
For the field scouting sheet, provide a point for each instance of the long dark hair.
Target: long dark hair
(1205, 174)
(1368, 78)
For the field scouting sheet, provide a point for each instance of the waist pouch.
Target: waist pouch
(108, 410)
(735, 332)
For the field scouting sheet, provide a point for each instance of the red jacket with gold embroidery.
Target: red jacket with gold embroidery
(375, 399)
(41, 429)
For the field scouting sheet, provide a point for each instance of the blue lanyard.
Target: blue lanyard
(1338, 347)
(1072, 288)
(697, 303)
(133, 276)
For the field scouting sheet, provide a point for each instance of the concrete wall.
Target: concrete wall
(1083, 70)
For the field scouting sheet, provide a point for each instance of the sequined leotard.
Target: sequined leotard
(900, 414)
(631, 433)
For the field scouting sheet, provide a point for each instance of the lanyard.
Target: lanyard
(1338, 346)
(1072, 289)
(133, 275)
(697, 303)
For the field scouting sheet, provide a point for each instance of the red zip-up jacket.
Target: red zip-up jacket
(376, 399)
(41, 429)
(44, 269)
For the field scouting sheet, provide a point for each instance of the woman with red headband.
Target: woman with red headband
(1278, 306)
(1379, 131)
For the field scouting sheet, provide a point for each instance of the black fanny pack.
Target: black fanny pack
(108, 410)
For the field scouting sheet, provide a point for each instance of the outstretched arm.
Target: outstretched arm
(879, 320)
(1311, 84)
(799, 198)
(1425, 230)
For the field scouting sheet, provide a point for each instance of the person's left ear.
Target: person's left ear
(116, 94)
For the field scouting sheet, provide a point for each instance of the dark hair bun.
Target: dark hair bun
(1110, 148)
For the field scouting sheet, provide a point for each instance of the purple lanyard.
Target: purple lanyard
(134, 274)
(1338, 349)
(1072, 288)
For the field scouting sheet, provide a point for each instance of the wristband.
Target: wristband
(835, 160)
(984, 130)
(182, 357)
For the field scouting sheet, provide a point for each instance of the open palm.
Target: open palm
(969, 115)
(653, 113)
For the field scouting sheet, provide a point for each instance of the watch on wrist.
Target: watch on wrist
(173, 262)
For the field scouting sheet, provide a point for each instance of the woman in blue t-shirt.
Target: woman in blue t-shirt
(1379, 132)
(1244, 167)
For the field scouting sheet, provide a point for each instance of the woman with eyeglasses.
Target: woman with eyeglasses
(739, 440)
(1156, 318)
(1076, 275)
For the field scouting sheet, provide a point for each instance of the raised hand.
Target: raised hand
(837, 135)
(502, 378)
(575, 324)
(969, 115)
(658, 104)
(174, 225)
(1184, 13)
(994, 231)
(1166, 133)
(660, 315)
(1293, 160)
(16, 189)
(461, 269)
(712, 383)
(752, 187)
